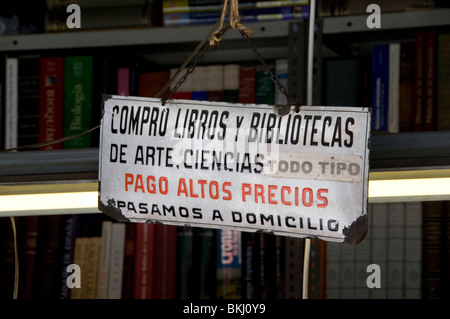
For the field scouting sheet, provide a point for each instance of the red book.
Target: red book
(144, 261)
(247, 84)
(123, 81)
(150, 83)
(418, 81)
(51, 105)
(430, 83)
(164, 262)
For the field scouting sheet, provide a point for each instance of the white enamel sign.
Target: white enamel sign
(236, 166)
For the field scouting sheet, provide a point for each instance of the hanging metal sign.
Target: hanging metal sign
(236, 166)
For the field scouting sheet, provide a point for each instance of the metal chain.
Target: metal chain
(280, 109)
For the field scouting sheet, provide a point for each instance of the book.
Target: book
(281, 70)
(413, 250)
(443, 82)
(393, 107)
(116, 261)
(27, 247)
(229, 264)
(105, 256)
(380, 86)
(429, 105)
(184, 92)
(433, 236)
(419, 78)
(78, 80)
(247, 84)
(97, 18)
(123, 81)
(144, 262)
(28, 100)
(231, 83)
(11, 100)
(214, 82)
(293, 268)
(48, 258)
(205, 268)
(171, 19)
(264, 87)
(164, 265)
(198, 83)
(216, 5)
(68, 229)
(185, 278)
(150, 83)
(54, 4)
(51, 93)
(251, 287)
(129, 255)
(396, 250)
(406, 87)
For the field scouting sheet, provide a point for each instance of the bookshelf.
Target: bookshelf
(335, 35)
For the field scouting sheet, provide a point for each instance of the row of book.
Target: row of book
(326, 8)
(142, 13)
(408, 242)
(142, 261)
(182, 12)
(50, 97)
(406, 83)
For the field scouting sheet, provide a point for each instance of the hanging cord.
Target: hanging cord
(16, 259)
(234, 21)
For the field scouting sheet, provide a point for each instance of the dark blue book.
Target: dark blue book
(380, 86)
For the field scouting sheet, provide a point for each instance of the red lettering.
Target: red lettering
(272, 194)
(283, 199)
(322, 198)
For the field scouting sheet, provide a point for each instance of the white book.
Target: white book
(396, 250)
(11, 100)
(413, 250)
(394, 88)
(116, 261)
(231, 76)
(102, 287)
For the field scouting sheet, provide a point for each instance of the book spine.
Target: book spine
(231, 83)
(207, 268)
(247, 84)
(185, 279)
(229, 264)
(433, 246)
(293, 268)
(29, 231)
(214, 82)
(198, 85)
(128, 261)
(184, 92)
(430, 82)
(68, 247)
(144, 261)
(380, 247)
(443, 83)
(281, 69)
(419, 60)
(78, 73)
(394, 87)
(51, 93)
(265, 89)
(406, 86)
(165, 258)
(413, 250)
(380, 86)
(116, 261)
(105, 253)
(11, 102)
(333, 271)
(396, 251)
(123, 81)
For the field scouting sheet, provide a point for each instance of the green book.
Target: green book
(265, 89)
(78, 100)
